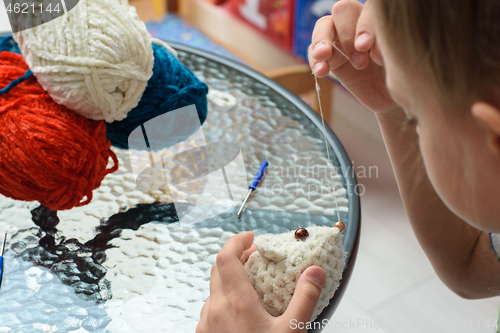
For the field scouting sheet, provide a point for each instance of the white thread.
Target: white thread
(330, 165)
(64, 7)
(169, 48)
(96, 59)
(335, 46)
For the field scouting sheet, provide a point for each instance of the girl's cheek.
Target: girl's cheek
(443, 168)
(436, 171)
(432, 157)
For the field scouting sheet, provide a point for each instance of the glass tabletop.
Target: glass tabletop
(124, 263)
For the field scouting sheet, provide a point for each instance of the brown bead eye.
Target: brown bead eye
(340, 225)
(301, 234)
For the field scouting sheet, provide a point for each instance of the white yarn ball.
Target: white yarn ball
(96, 59)
(276, 266)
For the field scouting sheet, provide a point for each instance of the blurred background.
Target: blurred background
(393, 287)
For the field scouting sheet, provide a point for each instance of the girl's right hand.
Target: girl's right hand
(351, 28)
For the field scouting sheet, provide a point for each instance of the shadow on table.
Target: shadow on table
(81, 265)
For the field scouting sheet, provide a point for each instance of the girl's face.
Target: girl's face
(461, 167)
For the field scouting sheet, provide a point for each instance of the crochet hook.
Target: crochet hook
(254, 184)
(1, 259)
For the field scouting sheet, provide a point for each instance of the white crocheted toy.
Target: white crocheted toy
(280, 260)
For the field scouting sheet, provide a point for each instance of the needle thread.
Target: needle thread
(330, 165)
(3, 246)
(326, 145)
(335, 46)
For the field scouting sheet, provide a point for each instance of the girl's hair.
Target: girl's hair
(455, 42)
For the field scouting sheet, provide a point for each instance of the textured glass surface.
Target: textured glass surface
(124, 263)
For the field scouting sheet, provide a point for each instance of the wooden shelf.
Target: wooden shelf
(236, 36)
(150, 10)
(258, 51)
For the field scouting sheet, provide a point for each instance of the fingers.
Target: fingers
(247, 254)
(346, 14)
(203, 324)
(365, 36)
(319, 68)
(204, 310)
(233, 303)
(340, 29)
(319, 51)
(323, 30)
(231, 272)
(215, 282)
(306, 295)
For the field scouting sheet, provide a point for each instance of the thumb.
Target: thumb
(365, 37)
(306, 295)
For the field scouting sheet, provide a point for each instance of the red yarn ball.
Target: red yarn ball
(48, 153)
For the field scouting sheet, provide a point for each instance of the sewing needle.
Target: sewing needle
(254, 184)
(1, 259)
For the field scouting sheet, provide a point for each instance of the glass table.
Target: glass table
(124, 263)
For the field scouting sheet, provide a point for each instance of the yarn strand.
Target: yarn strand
(16, 82)
(329, 162)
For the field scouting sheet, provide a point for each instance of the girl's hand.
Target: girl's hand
(233, 305)
(350, 27)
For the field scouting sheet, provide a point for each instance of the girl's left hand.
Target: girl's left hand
(233, 305)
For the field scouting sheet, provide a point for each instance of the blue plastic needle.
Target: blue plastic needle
(254, 184)
(1, 259)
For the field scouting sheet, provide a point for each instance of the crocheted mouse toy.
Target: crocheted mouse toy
(280, 259)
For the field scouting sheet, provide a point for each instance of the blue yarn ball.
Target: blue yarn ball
(8, 44)
(171, 87)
